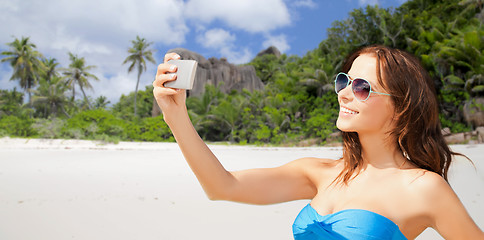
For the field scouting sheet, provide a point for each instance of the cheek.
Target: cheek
(374, 116)
(378, 115)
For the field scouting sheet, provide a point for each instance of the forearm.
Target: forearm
(213, 177)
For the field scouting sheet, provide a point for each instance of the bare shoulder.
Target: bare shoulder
(428, 185)
(318, 169)
(421, 178)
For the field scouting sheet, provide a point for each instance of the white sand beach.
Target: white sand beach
(72, 189)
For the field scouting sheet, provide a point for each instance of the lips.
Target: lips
(347, 110)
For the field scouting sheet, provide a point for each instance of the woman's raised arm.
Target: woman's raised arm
(259, 186)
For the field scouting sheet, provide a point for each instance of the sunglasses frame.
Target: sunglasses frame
(350, 81)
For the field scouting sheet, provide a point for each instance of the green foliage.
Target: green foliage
(16, 126)
(263, 133)
(94, 124)
(49, 128)
(125, 109)
(101, 102)
(453, 125)
(322, 120)
(266, 66)
(152, 129)
(11, 102)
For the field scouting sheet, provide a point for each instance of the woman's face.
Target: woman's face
(371, 116)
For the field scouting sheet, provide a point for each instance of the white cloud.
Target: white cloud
(237, 56)
(368, 2)
(223, 42)
(118, 84)
(304, 3)
(279, 41)
(249, 15)
(109, 21)
(217, 37)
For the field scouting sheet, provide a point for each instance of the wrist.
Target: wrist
(175, 118)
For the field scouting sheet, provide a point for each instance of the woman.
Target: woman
(391, 182)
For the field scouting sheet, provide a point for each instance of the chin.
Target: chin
(344, 126)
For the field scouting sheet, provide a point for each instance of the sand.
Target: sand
(72, 189)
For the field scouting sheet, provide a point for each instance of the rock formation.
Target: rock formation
(270, 50)
(474, 113)
(218, 72)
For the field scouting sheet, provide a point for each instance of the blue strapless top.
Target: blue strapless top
(354, 224)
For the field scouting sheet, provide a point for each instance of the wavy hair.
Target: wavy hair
(417, 130)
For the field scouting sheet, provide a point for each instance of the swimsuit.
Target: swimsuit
(354, 224)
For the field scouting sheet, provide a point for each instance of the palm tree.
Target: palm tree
(139, 53)
(51, 91)
(101, 102)
(50, 95)
(77, 74)
(50, 68)
(26, 64)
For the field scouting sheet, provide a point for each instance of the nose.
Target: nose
(346, 93)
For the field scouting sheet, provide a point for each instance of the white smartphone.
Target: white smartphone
(185, 74)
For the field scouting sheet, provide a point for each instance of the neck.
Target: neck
(380, 151)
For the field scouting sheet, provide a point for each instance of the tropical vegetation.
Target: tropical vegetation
(297, 104)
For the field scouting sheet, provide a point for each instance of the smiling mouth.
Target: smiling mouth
(346, 110)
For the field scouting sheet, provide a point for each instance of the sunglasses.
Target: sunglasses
(360, 87)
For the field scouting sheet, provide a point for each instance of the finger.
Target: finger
(170, 56)
(163, 78)
(164, 68)
(162, 91)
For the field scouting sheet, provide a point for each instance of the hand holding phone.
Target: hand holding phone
(185, 74)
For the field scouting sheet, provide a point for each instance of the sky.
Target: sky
(101, 31)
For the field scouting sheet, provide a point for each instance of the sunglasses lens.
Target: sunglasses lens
(361, 89)
(341, 82)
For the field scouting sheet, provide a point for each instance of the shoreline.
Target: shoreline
(42, 143)
(79, 144)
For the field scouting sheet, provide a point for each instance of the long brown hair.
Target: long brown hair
(417, 128)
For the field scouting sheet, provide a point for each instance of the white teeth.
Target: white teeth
(346, 110)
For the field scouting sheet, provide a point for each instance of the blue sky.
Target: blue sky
(101, 31)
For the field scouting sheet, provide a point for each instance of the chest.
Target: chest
(386, 197)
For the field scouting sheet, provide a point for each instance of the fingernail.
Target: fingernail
(177, 56)
(172, 75)
(172, 68)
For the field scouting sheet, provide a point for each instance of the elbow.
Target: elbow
(219, 192)
(223, 194)
(216, 195)
(213, 197)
